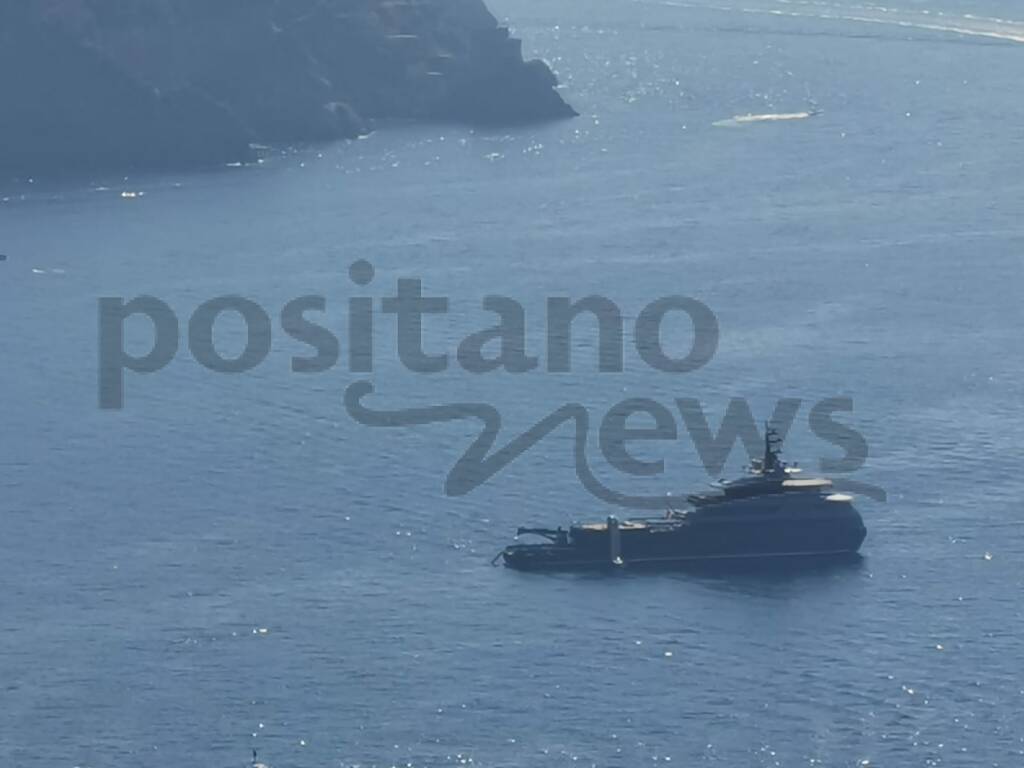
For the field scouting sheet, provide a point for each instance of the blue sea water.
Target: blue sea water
(232, 562)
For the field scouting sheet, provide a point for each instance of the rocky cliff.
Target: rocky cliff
(87, 84)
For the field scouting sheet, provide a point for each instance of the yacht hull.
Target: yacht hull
(818, 530)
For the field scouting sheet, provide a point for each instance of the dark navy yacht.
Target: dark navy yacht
(773, 512)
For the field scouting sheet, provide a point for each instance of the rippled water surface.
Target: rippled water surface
(232, 561)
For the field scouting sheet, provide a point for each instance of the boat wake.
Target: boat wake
(932, 21)
(741, 120)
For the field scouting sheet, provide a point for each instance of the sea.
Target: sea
(234, 561)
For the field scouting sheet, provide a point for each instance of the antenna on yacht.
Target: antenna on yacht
(772, 449)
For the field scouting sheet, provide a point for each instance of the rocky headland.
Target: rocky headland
(122, 84)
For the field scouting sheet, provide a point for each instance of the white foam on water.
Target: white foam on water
(740, 120)
(926, 20)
